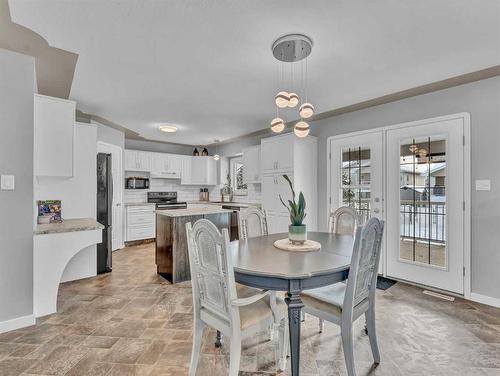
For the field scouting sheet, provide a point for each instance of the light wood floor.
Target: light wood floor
(132, 322)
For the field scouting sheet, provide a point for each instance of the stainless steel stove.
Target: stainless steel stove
(166, 200)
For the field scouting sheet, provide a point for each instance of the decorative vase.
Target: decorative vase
(297, 234)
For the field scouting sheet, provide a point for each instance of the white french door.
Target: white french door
(356, 175)
(412, 176)
(425, 205)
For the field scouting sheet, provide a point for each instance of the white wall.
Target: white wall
(110, 135)
(17, 86)
(77, 195)
(160, 147)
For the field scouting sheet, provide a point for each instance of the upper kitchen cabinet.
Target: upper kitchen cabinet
(251, 161)
(54, 127)
(199, 171)
(297, 158)
(277, 153)
(137, 160)
(166, 166)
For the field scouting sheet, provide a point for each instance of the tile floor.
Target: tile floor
(132, 322)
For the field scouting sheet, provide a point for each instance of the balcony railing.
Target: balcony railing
(423, 221)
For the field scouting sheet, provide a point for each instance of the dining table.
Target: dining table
(259, 264)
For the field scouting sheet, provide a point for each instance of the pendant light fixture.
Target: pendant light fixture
(291, 49)
(282, 99)
(277, 125)
(301, 129)
(294, 100)
(216, 155)
(306, 110)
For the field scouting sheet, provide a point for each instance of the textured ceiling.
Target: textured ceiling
(207, 66)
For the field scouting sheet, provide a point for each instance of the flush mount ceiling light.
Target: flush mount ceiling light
(292, 48)
(277, 125)
(168, 128)
(301, 129)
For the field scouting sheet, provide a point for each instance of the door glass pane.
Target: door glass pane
(356, 180)
(422, 215)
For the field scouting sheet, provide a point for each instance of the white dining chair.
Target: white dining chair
(252, 222)
(342, 303)
(343, 221)
(218, 302)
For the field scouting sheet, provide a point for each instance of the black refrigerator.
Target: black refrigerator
(104, 212)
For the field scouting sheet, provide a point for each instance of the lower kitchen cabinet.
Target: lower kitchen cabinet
(140, 221)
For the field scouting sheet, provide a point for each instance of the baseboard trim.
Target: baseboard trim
(17, 323)
(483, 299)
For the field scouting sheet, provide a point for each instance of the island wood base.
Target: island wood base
(172, 260)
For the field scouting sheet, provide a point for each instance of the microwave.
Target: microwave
(137, 183)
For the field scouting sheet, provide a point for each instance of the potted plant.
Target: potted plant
(227, 190)
(297, 233)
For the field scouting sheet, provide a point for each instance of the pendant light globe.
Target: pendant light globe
(282, 99)
(277, 125)
(306, 110)
(293, 101)
(301, 129)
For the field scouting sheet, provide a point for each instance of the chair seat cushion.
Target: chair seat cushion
(328, 299)
(256, 312)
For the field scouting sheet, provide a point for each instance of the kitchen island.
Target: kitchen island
(172, 259)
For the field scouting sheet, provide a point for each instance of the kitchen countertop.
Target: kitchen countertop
(68, 225)
(234, 204)
(192, 211)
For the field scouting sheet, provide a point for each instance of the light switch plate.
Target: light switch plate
(7, 182)
(483, 185)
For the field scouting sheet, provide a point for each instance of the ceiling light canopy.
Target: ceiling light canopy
(168, 128)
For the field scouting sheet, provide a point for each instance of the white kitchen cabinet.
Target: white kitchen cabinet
(166, 166)
(277, 153)
(251, 163)
(277, 222)
(137, 160)
(199, 171)
(297, 158)
(54, 127)
(275, 185)
(140, 222)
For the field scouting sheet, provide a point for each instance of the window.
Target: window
(237, 183)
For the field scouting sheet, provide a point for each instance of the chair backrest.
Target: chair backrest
(363, 271)
(212, 273)
(252, 222)
(343, 221)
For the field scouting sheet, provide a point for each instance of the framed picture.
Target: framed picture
(49, 211)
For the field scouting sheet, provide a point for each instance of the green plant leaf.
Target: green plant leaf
(291, 185)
